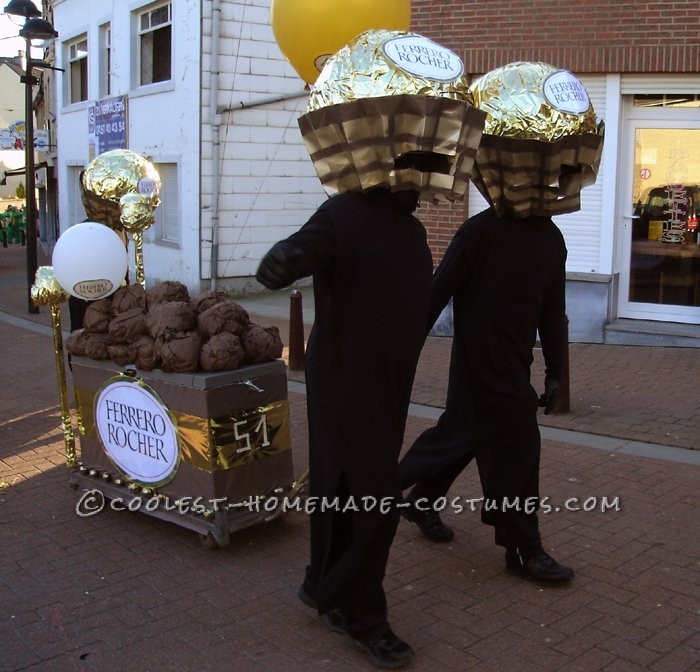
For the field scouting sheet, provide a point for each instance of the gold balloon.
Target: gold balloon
(112, 175)
(308, 32)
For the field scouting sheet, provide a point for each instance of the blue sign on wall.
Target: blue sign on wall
(107, 125)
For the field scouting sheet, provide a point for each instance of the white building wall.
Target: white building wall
(267, 185)
(163, 120)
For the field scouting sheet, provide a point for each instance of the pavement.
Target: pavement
(124, 590)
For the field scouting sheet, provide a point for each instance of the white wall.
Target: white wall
(163, 119)
(268, 186)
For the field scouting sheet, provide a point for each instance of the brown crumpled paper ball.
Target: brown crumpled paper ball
(261, 344)
(180, 352)
(147, 357)
(96, 345)
(207, 299)
(223, 316)
(122, 353)
(97, 316)
(222, 352)
(173, 315)
(169, 290)
(75, 343)
(128, 297)
(126, 326)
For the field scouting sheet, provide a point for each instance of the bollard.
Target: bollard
(4, 238)
(23, 238)
(562, 400)
(296, 332)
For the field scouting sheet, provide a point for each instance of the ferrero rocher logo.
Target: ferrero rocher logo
(91, 290)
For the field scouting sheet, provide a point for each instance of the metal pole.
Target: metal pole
(30, 209)
(296, 332)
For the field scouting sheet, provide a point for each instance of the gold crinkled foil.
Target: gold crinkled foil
(362, 69)
(46, 290)
(533, 101)
(366, 111)
(112, 175)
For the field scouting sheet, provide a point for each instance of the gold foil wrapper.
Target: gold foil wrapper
(364, 69)
(111, 176)
(542, 141)
(533, 101)
(46, 290)
(385, 95)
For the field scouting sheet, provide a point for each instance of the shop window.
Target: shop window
(77, 69)
(155, 44)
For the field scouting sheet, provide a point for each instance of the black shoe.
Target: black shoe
(336, 619)
(428, 522)
(539, 567)
(386, 650)
(306, 598)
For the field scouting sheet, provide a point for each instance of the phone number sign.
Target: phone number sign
(107, 124)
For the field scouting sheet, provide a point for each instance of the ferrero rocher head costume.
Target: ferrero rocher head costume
(542, 142)
(121, 189)
(392, 109)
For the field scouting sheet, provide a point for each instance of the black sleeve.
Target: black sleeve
(306, 252)
(449, 276)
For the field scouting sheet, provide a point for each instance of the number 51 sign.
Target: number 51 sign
(251, 434)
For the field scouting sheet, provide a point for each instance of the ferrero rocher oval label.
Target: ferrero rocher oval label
(137, 431)
(423, 58)
(564, 92)
(91, 290)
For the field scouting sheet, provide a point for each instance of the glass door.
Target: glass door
(660, 263)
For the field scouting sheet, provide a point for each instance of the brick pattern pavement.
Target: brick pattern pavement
(123, 590)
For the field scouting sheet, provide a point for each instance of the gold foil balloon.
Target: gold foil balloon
(112, 175)
(542, 141)
(121, 189)
(308, 32)
(393, 109)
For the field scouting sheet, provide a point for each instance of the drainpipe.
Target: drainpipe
(215, 122)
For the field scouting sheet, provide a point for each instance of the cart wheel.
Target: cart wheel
(207, 541)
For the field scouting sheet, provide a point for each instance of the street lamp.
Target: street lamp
(39, 29)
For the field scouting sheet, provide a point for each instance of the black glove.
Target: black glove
(280, 265)
(551, 387)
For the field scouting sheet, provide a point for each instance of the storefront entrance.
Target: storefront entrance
(660, 245)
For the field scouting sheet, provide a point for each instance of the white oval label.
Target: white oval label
(91, 290)
(147, 186)
(423, 58)
(564, 92)
(137, 432)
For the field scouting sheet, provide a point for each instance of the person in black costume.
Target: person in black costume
(372, 269)
(507, 279)
(505, 271)
(360, 363)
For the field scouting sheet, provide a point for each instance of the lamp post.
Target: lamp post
(34, 28)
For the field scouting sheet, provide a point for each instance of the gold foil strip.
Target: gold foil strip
(354, 145)
(215, 444)
(47, 291)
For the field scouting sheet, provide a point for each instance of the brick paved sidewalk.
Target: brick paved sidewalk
(123, 590)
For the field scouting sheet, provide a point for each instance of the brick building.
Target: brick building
(207, 94)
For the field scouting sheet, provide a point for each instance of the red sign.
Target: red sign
(645, 173)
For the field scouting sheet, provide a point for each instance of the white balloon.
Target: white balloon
(90, 261)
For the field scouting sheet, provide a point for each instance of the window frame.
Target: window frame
(81, 59)
(142, 31)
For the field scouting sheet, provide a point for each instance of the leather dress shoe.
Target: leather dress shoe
(386, 650)
(428, 521)
(538, 567)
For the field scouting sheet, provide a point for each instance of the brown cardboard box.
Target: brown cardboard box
(234, 445)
